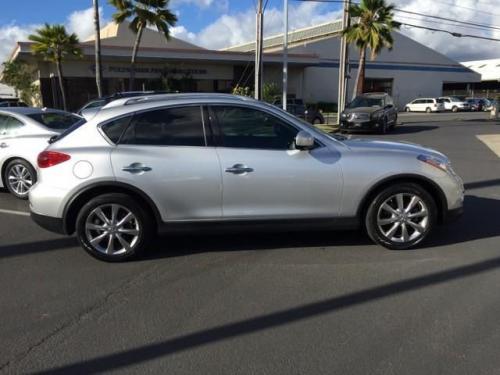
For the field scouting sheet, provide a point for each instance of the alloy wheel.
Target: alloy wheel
(112, 229)
(403, 218)
(19, 179)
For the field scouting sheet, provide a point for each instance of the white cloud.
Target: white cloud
(10, 35)
(81, 22)
(232, 29)
(460, 49)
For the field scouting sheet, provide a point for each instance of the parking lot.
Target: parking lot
(274, 303)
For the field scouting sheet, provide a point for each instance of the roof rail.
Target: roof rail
(163, 97)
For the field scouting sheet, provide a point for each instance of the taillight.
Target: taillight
(50, 158)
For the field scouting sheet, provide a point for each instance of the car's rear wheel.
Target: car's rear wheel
(19, 177)
(401, 216)
(317, 121)
(114, 228)
(407, 109)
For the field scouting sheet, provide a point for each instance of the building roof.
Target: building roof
(120, 35)
(489, 69)
(300, 35)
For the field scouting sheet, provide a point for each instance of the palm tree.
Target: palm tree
(98, 65)
(54, 44)
(143, 13)
(372, 28)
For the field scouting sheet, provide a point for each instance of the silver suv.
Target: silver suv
(193, 161)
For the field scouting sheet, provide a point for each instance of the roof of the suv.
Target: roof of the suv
(130, 105)
(376, 94)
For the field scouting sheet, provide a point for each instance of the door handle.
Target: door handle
(136, 168)
(239, 169)
(4, 145)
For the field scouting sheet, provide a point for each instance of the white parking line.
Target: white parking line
(12, 212)
(492, 141)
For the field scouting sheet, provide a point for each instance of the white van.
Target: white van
(425, 105)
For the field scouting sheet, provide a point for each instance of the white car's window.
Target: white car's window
(55, 120)
(249, 128)
(182, 126)
(10, 125)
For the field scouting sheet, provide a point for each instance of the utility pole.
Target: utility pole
(98, 64)
(343, 62)
(285, 53)
(258, 50)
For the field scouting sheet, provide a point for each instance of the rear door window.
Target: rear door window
(180, 126)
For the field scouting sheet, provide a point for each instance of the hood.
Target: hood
(390, 146)
(362, 109)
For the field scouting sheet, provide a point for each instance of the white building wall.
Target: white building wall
(416, 70)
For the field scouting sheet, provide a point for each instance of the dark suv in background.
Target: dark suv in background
(297, 108)
(371, 112)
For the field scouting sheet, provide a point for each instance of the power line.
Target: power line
(455, 34)
(440, 23)
(493, 27)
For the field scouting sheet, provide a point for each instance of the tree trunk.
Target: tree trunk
(98, 65)
(360, 79)
(134, 56)
(61, 83)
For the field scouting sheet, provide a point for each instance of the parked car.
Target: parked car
(454, 104)
(425, 105)
(369, 112)
(476, 104)
(298, 108)
(188, 162)
(11, 103)
(101, 102)
(24, 132)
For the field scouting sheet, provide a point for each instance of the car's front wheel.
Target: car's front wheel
(401, 216)
(114, 228)
(19, 177)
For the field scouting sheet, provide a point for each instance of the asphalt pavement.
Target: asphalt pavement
(275, 303)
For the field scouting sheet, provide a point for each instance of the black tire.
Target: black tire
(395, 122)
(428, 110)
(407, 109)
(317, 121)
(142, 220)
(374, 210)
(383, 126)
(454, 109)
(11, 168)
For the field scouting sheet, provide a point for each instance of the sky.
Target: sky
(221, 23)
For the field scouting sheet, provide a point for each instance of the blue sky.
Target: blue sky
(222, 23)
(194, 15)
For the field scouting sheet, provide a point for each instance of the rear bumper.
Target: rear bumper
(52, 224)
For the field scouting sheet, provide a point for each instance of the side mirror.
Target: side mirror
(304, 141)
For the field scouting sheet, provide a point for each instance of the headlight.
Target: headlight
(359, 116)
(435, 162)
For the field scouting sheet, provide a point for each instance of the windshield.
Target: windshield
(363, 101)
(55, 120)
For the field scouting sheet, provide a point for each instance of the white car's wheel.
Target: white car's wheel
(19, 177)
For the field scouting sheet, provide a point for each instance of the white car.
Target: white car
(454, 104)
(24, 132)
(425, 105)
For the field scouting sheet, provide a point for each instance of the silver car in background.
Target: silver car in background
(213, 161)
(24, 133)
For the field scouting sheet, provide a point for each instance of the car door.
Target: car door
(10, 127)
(418, 104)
(264, 176)
(164, 153)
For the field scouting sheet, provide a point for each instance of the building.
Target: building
(488, 87)
(410, 70)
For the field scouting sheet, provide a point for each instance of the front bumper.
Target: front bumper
(52, 224)
(365, 126)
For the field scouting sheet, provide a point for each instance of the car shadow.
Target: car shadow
(478, 222)
(408, 129)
